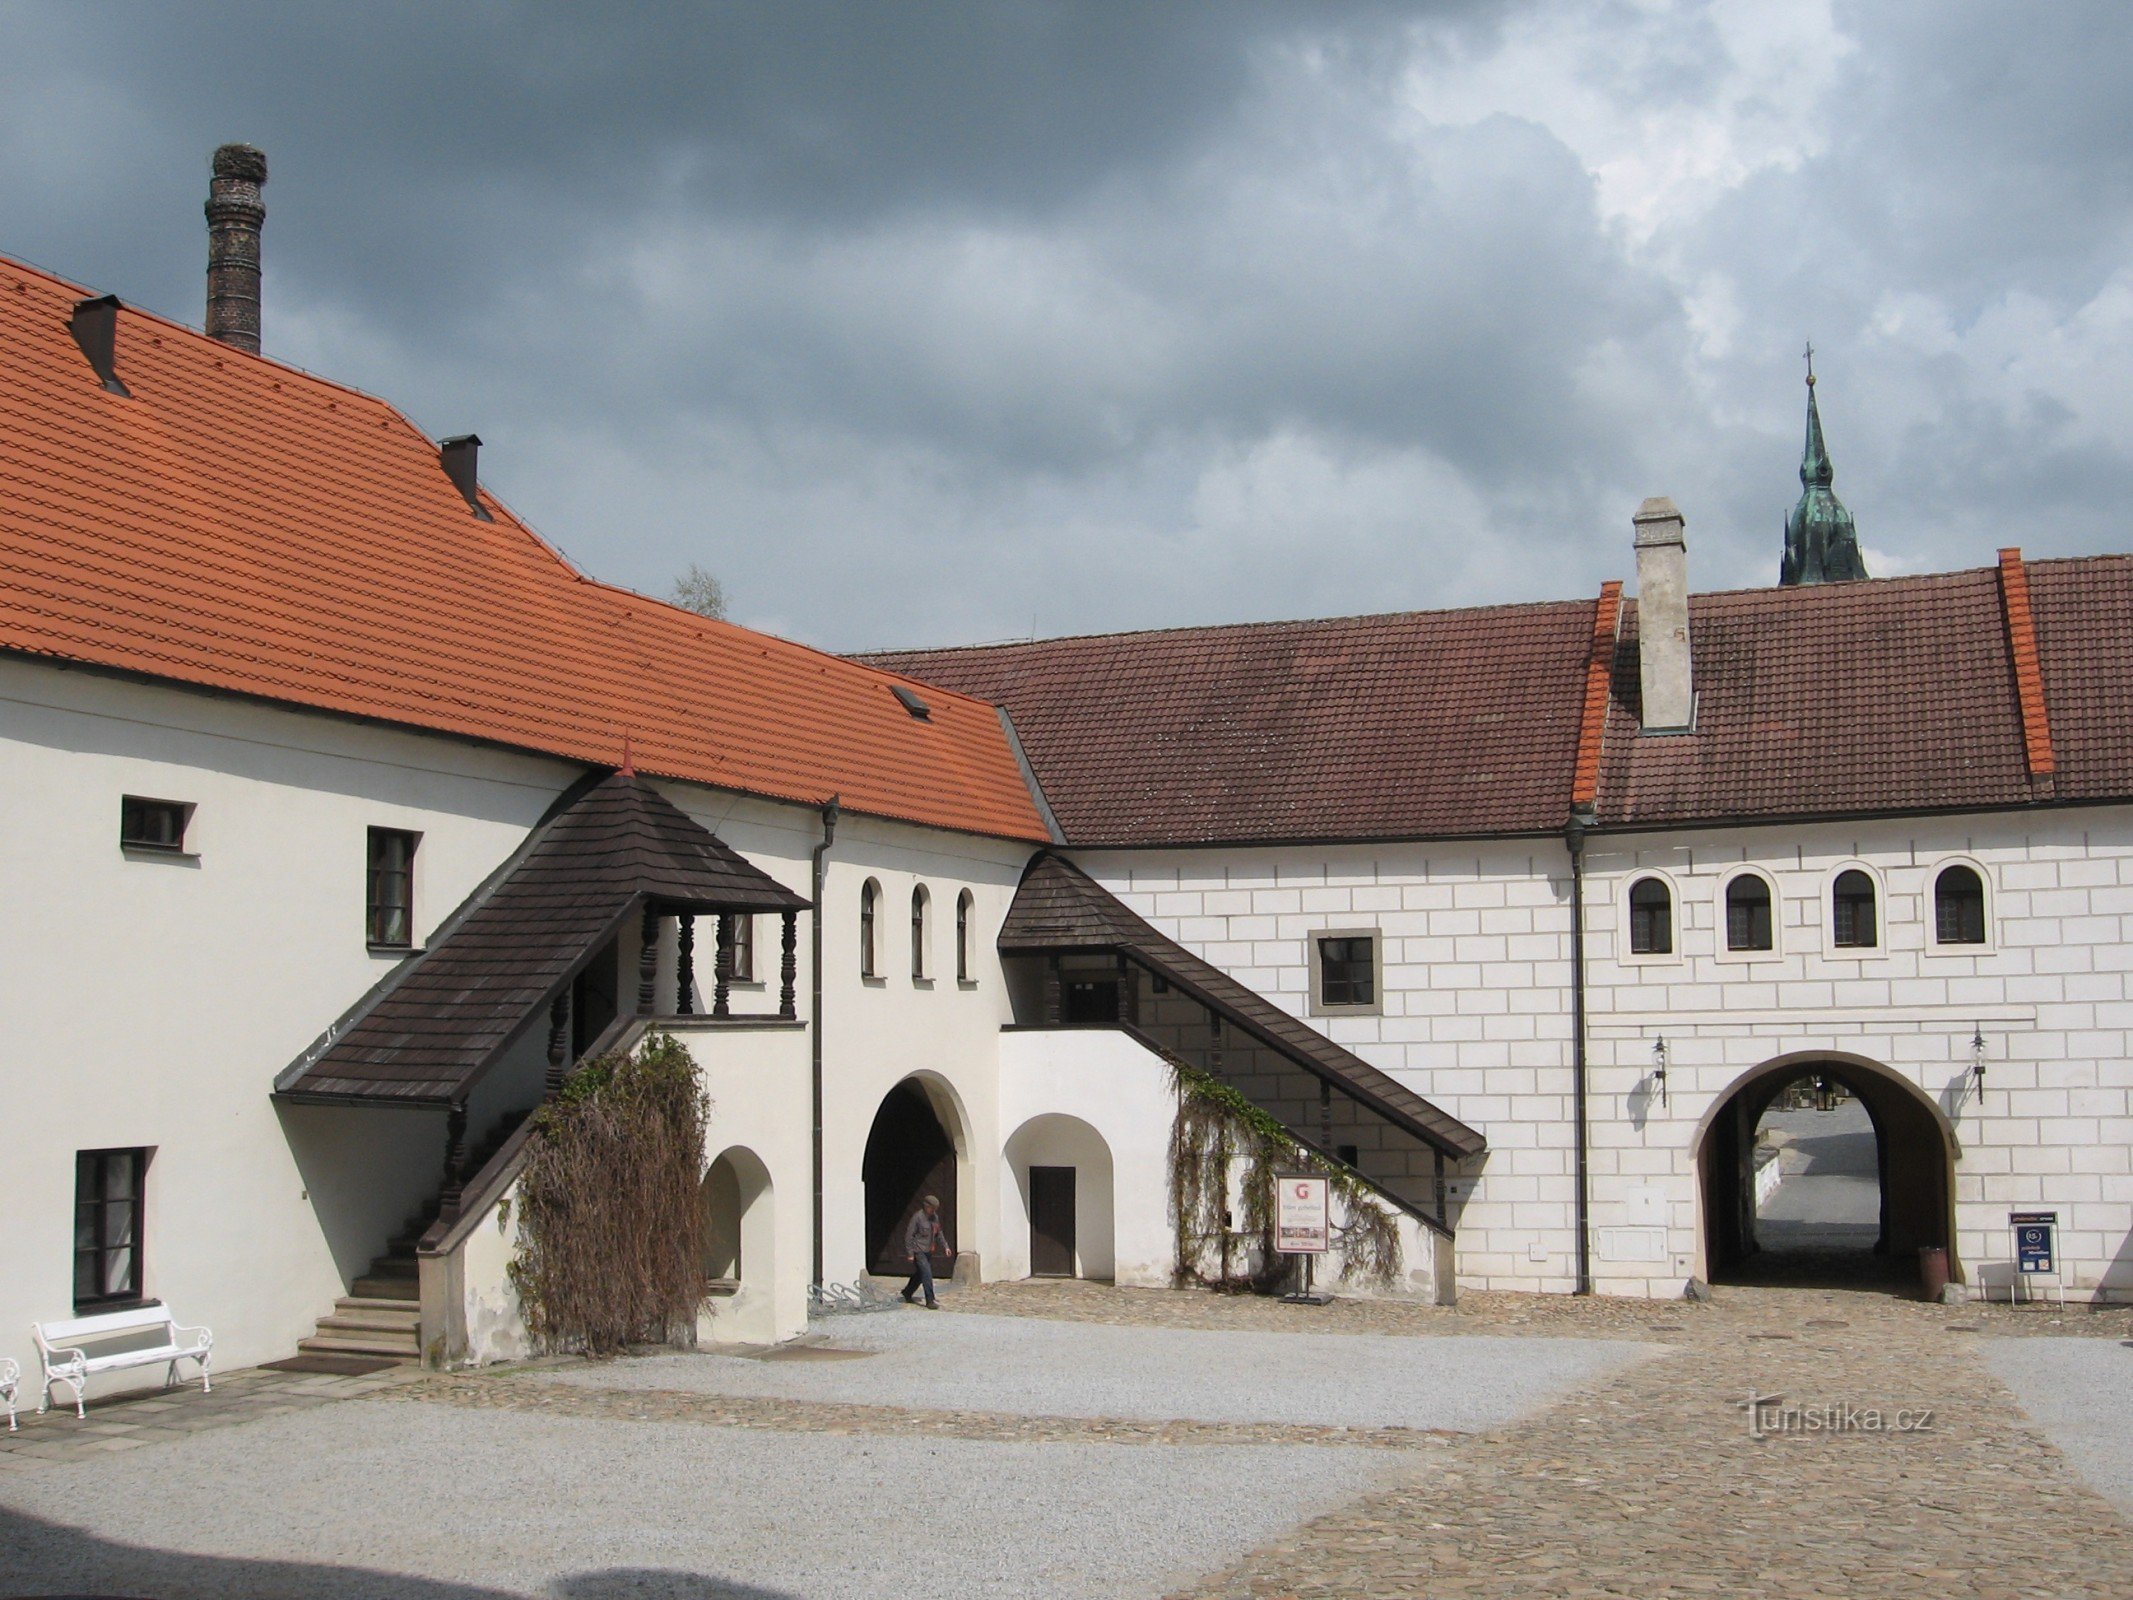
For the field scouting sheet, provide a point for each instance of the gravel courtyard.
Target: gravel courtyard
(1018, 1446)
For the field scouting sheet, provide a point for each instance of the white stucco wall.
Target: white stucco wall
(151, 1000)
(1476, 1015)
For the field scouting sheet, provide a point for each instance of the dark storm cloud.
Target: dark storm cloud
(925, 322)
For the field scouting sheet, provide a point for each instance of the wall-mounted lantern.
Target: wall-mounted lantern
(1659, 1069)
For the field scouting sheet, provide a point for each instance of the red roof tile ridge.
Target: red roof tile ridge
(876, 656)
(2029, 675)
(1599, 672)
(220, 349)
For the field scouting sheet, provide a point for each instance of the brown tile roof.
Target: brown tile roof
(2084, 621)
(428, 1033)
(1891, 694)
(1399, 726)
(1994, 687)
(244, 526)
(1060, 907)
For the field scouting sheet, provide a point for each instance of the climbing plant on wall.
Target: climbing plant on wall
(1215, 1129)
(611, 1229)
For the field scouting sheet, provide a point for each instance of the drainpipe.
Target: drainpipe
(814, 1015)
(1574, 837)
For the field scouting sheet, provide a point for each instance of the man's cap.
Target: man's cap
(933, 1199)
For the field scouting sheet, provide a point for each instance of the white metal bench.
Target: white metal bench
(65, 1348)
(10, 1374)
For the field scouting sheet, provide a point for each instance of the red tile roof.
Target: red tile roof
(2083, 611)
(244, 526)
(1417, 724)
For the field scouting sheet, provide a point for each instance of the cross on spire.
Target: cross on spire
(1809, 353)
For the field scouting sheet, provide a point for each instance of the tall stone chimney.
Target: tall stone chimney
(235, 215)
(1669, 690)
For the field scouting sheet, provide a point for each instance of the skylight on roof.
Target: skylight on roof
(911, 702)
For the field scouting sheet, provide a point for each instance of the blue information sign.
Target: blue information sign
(2033, 1240)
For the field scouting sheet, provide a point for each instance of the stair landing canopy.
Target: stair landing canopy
(614, 851)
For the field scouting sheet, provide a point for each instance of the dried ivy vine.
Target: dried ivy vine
(1216, 1127)
(612, 1232)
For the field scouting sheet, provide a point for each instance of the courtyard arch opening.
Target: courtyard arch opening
(913, 1149)
(1061, 1197)
(740, 1242)
(1835, 1118)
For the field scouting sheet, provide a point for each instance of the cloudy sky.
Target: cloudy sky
(943, 322)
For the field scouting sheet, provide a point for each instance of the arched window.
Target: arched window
(919, 899)
(1651, 918)
(869, 900)
(1748, 925)
(1851, 904)
(962, 936)
(1959, 906)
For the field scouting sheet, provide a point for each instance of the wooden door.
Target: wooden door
(1051, 1222)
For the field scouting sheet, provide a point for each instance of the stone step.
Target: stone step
(403, 1347)
(370, 1288)
(404, 1318)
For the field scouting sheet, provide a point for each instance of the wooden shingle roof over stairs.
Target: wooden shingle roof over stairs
(1060, 908)
(428, 1033)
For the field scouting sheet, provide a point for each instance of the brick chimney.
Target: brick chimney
(1668, 684)
(235, 214)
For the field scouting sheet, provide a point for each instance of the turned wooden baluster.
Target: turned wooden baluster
(1054, 993)
(722, 968)
(685, 966)
(789, 967)
(648, 963)
(455, 1161)
(558, 1041)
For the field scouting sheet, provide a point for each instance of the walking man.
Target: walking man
(921, 1239)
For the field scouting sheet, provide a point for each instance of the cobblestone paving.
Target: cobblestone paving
(528, 1393)
(153, 1416)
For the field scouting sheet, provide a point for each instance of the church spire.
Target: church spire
(1821, 542)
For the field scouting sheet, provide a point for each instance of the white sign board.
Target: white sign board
(1300, 1222)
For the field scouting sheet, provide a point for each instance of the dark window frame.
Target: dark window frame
(740, 954)
(382, 878)
(1344, 971)
(1854, 921)
(137, 832)
(869, 898)
(93, 1256)
(1742, 914)
(1651, 920)
(1959, 912)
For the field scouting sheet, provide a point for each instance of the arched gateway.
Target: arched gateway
(911, 1153)
(1915, 1151)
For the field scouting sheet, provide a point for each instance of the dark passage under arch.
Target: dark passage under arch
(1914, 1162)
(909, 1155)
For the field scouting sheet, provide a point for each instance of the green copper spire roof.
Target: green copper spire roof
(1821, 542)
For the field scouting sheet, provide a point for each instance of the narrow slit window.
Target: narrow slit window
(919, 900)
(1959, 906)
(1748, 920)
(153, 824)
(1651, 918)
(962, 937)
(389, 908)
(869, 899)
(1852, 920)
(741, 955)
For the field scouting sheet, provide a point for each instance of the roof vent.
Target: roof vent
(911, 702)
(459, 455)
(95, 328)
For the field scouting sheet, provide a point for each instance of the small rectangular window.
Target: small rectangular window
(1347, 970)
(1348, 1155)
(389, 909)
(109, 1190)
(153, 824)
(742, 955)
